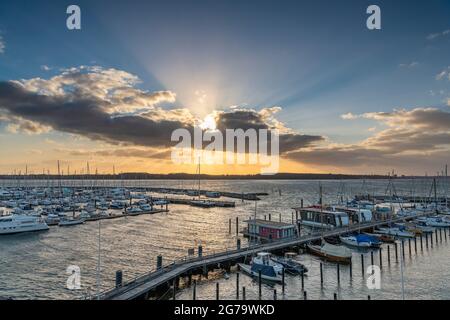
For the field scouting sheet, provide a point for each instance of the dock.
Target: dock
(164, 277)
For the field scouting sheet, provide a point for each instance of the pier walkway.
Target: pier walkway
(141, 286)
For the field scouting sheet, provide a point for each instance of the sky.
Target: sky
(346, 99)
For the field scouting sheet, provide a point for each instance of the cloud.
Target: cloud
(105, 105)
(349, 116)
(443, 74)
(419, 137)
(409, 65)
(2, 45)
(434, 36)
(45, 68)
(145, 153)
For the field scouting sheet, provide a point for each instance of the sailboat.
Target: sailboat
(199, 202)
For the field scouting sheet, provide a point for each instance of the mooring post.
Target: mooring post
(301, 203)
(362, 265)
(368, 298)
(431, 240)
(229, 226)
(194, 290)
(335, 296)
(396, 253)
(119, 277)
(237, 286)
(274, 294)
(440, 235)
(159, 262)
(445, 234)
(280, 217)
(421, 243)
(282, 280)
(259, 284)
(437, 236)
(415, 245)
(338, 274)
(292, 217)
(380, 252)
(200, 251)
(238, 244)
(174, 291)
(371, 257)
(270, 217)
(350, 269)
(217, 291)
(426, 240)
(389, 254)
(403, 249)
(321, 275)
(409, 246)
(243, 293)
(265, 217)
(237, 225)
(305, 295)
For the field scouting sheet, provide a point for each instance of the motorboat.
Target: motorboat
(21, 223)
(360, 241)
(70, 222)
(202, 203)
(436, 222)
(134, 211)
(146, 208)
(290, 265)
(331, 252)
(382, 237)
(395, 231)
(270, 270)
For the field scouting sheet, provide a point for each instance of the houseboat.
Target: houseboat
(269, 230)
(316, 217)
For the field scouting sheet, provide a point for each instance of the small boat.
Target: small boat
(212, 194)
(134, 211)
(361, 241)
(146, 208)
(331, 252)
(263, 263)
(290, 265)
(202, 203)
(411, 227)
(436, 222)
(160, 202)
(382, 237)
(395, 231)
(70, 222)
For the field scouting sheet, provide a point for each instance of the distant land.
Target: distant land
(187, 176)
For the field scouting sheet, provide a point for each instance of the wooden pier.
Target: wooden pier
(164, 277)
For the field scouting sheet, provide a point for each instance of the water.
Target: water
(33, 266)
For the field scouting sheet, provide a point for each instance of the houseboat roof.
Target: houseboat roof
(318, 210)
(270, 224)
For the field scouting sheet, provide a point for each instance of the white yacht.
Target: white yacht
(21, 223)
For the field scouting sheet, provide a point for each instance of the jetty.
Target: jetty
(163, 278)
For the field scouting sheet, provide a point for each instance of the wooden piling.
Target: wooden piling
(409, 246)
(282, 280)
(335, 296)
(274, 294)
(403, 249)
(396, 253)
(421, 243)
(243, 293)
(259, 285)
(174, 291)
(217, 291)
(237, 225)
(305, 295)
(371, 258)
(426, 240)
(302, 276)
(237, 286)
(389, 254)
(440, 235)
(350, 269)
(321, 275)
(194, 291)
(229, 226)
(415, 245)
(380, 252)
(362, 265)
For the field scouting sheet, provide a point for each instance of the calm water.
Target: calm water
(33, 266)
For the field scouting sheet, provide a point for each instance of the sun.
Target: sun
(209, 123)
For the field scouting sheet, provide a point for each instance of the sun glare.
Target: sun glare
(209, 123)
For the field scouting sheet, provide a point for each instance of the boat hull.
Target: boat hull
(316, 251)
(248, 269)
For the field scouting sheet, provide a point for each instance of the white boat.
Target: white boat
(160, 202)
(133, 211)
(21, 223)
(146, 208)
(70, 222)
(202, 203)
(436, 222)
(270, 270)
(397, 232)
(360, 240)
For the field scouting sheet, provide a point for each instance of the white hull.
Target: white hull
(313, 224)
(395, 232)
(36, 228)
(354, 243)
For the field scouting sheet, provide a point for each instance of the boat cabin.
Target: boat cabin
(269, 230)
(356, 215)
(321, 218)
